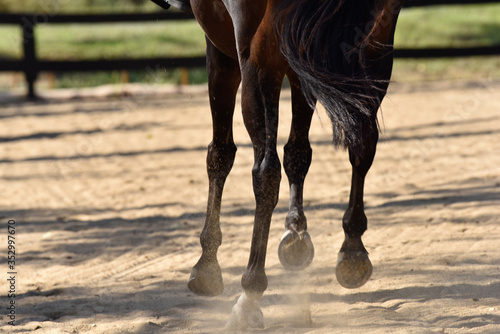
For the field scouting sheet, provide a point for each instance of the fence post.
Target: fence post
(30, 69)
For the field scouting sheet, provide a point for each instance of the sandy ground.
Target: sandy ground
(108, 195)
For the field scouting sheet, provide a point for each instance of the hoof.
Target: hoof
(206, 280)
(353, 269)
(296, 250)
(246, 314)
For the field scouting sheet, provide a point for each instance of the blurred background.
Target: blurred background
(444, 26)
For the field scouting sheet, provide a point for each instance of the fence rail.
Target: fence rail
(31, 65)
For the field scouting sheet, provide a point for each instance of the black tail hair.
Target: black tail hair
(325, 43)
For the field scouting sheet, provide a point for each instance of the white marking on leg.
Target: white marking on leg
(246, 312)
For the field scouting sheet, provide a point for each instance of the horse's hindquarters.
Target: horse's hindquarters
(215, 20)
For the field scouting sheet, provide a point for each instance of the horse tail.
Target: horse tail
(325, 43)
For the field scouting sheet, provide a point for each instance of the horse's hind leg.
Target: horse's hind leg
(260, 95)
(296, 250)
(224, 79)
(354, 267)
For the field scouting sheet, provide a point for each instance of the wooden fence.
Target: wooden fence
(31, 65)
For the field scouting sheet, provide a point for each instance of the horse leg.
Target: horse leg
(296, 250)
(224, 79)
(260, 95)
(354, 267)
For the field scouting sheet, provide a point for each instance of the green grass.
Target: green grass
(76, 6)
(108, 41)
(111, 41)
(132, 40)
(11, 41)
(448, 26)
(435, 26)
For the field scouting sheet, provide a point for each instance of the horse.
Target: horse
(335, 52)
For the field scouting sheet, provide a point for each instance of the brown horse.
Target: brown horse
(337, 52)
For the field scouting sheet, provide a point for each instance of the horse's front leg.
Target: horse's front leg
(296, 250)
(224, 79)
(354, 267)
